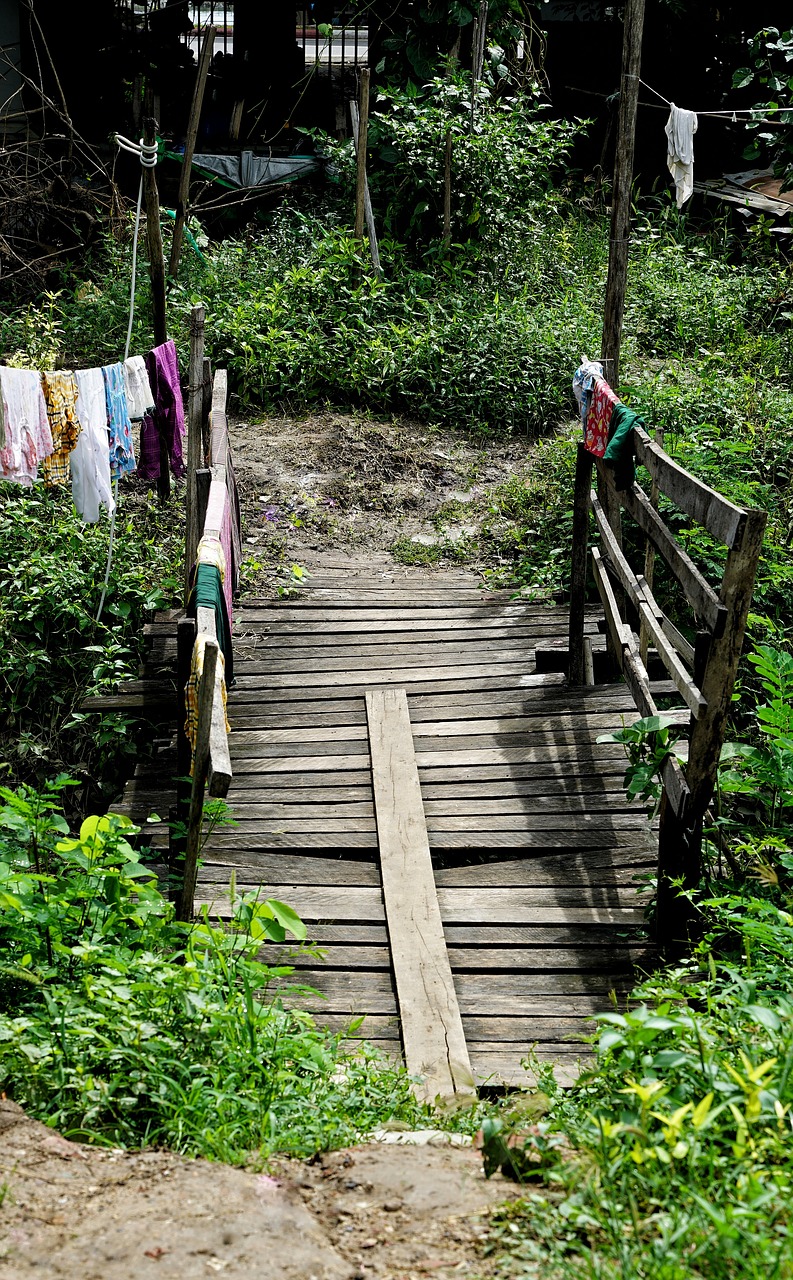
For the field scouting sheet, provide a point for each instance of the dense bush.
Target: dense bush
(120, 1025)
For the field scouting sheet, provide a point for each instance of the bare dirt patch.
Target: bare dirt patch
(336, 483)
(73, 1212)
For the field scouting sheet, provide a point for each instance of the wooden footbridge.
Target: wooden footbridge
(414, 766)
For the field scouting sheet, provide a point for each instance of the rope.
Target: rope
(147, 154)
(732, 112)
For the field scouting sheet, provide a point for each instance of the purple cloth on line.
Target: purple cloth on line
(167, 418)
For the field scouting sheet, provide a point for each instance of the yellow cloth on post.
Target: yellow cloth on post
(60, 396)
(210, 551)
(191, 692)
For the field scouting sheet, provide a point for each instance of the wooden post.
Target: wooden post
(707, 733)
(195, 457)
(363, 134)
(583, 483)
(185, 639)
(447, 191)
(206, 695)
(672, 911)
(621, 193)
(206, 407)
(204, 60)
(367, 200)
(151, 198)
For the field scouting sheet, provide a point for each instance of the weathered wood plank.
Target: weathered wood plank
(432, 1034)
(722, 518)
(480, 959)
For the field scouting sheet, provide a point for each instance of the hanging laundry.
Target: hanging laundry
(91, 483)
(217, 552)
(166, 422)
(122, 453)
(583, 382)
(2, 424)
(28, 439)
(60, 395)
(596, 431)
(207, 590)
(680, 129)
(139, 395)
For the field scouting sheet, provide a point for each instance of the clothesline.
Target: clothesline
(732, 112)
(721, 115)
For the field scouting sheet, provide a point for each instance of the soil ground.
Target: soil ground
(328, 493)
(337, 489)
(375, 1212)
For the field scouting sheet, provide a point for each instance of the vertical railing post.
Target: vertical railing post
(583, 484)
(206, 695)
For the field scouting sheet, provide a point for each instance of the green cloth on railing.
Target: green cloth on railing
(208, 592)
(619, 450)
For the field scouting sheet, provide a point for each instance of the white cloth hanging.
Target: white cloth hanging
(28, 439)
(91, 484)
(139, 397)
(680, 129)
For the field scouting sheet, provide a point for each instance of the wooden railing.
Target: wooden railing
(211, 512)
(702, 669)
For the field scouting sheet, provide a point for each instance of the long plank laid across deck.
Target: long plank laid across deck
(432, 1033)
(394, 675)
(478, 959)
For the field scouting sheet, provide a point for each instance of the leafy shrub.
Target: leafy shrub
(52, 568)
(120, 1025)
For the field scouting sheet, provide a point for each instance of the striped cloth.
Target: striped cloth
(191, 692)
(60, 397)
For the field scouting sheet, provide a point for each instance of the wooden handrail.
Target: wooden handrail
(707, 691)
(211, 758)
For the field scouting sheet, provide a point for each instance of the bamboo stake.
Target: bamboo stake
(374, 248)
(363, 134)
(204, 60)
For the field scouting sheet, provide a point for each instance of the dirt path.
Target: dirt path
(385, 1212)
(328, 491)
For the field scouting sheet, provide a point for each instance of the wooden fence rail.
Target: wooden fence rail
(703, 672)
(211, 494)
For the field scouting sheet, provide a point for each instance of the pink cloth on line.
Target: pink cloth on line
(166, 420)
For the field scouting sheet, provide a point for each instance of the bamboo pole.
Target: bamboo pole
(363, 135)
(204, 60)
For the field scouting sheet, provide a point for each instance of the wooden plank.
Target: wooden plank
(473, 736)
(432, 1034)
(578, 937)
(315, 802)
(410, 658)
(626, 827)
(722, 518)
(372, 992)
(406, 613)
(478, 959)
(374, 637)
(394, 676)
(698, 592)
(498, 680)
(268, 868)
(593, 869)
(263, 835)
(583, 474)
(458, 906)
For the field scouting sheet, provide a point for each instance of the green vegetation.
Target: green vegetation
(673, 1159)
(54, 653)
(119, 1025)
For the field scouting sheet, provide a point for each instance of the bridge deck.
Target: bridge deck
(534, 850)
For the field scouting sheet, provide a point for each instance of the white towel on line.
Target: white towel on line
(680, 129)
